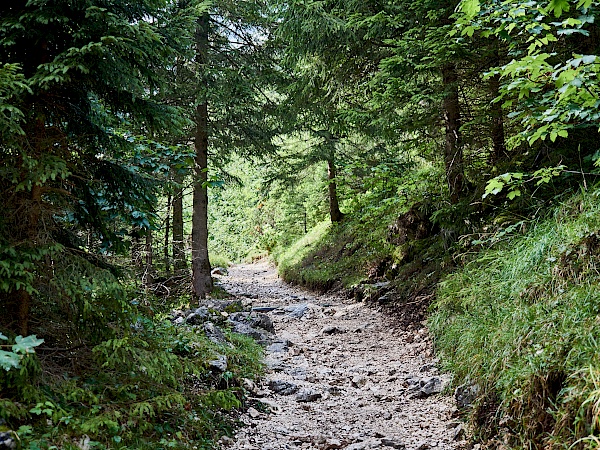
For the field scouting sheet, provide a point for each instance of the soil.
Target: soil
(347, 375)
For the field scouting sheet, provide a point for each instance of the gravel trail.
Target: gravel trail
(341, 375)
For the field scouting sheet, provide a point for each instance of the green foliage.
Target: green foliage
(22, 348)
(551, 82)
(144, 389)
(514, 183)
(217, 260)
(521, 321)
(11, 86)
(250, 217)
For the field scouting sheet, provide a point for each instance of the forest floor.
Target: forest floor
(341, 374)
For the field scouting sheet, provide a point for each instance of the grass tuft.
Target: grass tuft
(217, 260)
(522, 322)
(334, 254)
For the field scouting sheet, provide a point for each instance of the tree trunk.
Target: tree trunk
(148, 277)
(136, 247)
(201, 278)
(334, 207)
(30, 223)
(167, 233)
(497, 125)
(305, 223)
(453, 156)
(22, 298)
(179, 260)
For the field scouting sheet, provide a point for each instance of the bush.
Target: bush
(147, 388)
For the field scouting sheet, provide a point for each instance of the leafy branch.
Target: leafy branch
(22, 347)
(513, 182)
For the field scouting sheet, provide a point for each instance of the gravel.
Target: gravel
(368, 387)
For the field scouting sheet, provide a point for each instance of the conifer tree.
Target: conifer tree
(77, 86)
(231, 103)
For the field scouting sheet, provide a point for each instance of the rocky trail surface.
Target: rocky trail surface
(341, 375)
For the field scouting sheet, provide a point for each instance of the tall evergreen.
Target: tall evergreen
(78, 83)
(234, 105)
(201, 271)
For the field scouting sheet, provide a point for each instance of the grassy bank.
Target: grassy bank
(393, 255)
(341, 255)
(522, 322)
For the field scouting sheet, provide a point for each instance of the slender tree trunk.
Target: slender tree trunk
(22, 297)
(497, 125)
(334, 207)
(167, 233)
(305, 222)
(179, 260)
(136, 248)
(453, 156)
(148, 277)
(201, 278)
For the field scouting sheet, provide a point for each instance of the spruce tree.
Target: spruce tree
(78, 80)
(229, 97)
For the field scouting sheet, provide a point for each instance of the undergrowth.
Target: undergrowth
(522, 322)
(218, 260)
(148, 387)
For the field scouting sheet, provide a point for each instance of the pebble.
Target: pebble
(253, 413)
(283, 387)
(250, 386)
(392, 443)
(227, 441)
(372, 390)
(359, 381)
(458, 433)
(331, 330)
(307, 395)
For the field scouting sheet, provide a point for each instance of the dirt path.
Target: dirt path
(347, 378)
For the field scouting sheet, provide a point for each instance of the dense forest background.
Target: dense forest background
(421, 154)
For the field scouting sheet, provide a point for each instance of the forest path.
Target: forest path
(353, 379)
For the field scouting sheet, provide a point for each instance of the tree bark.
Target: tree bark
(136, 247)
(179, 260)
(201, 277)
(22, 296)
(24, 299)
(453, 155)
(167, 233)
(148, 277)
(334, 207)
